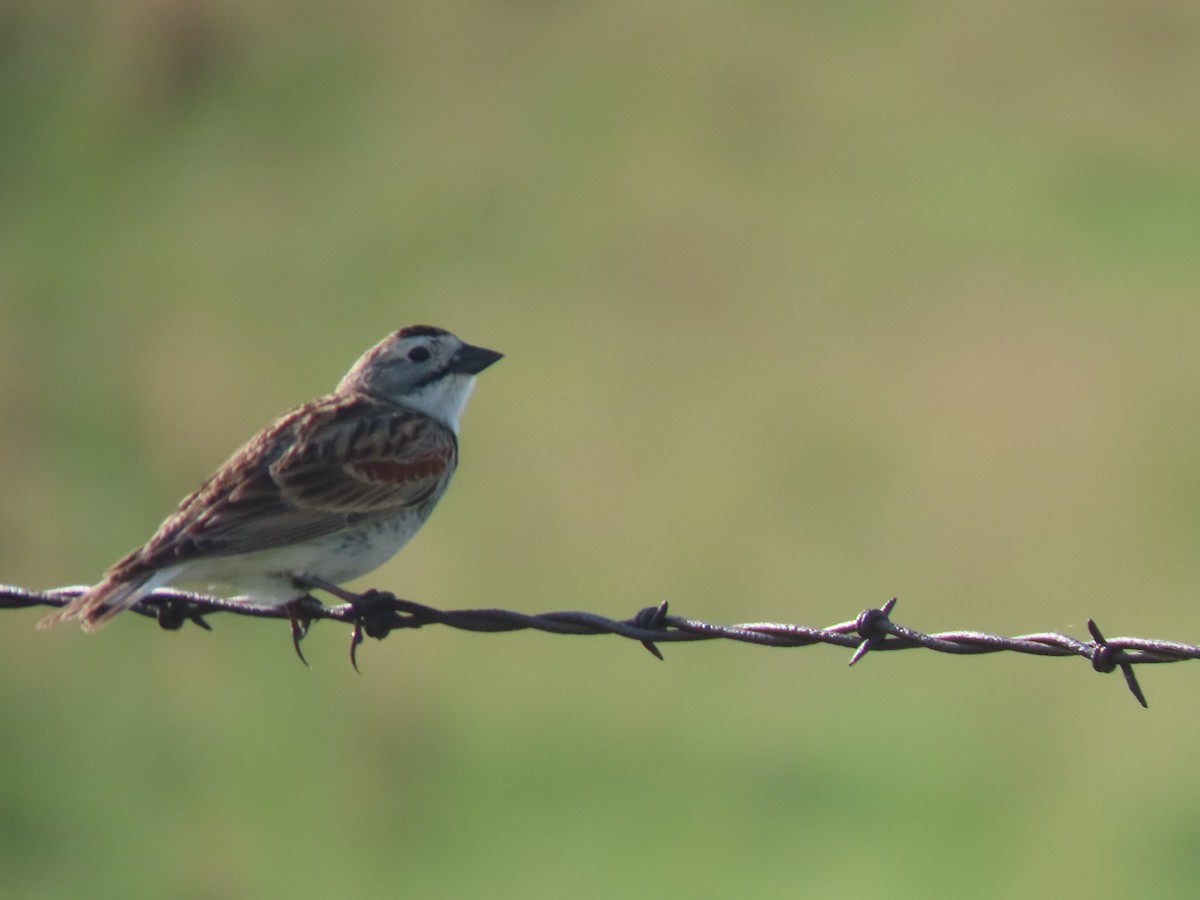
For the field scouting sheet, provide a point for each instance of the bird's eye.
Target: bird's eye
(418, 354)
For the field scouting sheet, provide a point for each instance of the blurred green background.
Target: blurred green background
(805, 305)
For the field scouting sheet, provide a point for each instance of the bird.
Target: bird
(329, 491)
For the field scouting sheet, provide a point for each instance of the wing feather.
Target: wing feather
(338, 461)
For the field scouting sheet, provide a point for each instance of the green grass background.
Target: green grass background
(805, 305)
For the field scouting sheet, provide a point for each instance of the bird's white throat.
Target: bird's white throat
(444, 398)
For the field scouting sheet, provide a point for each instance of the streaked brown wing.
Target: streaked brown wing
(363, 463)
(324, 465)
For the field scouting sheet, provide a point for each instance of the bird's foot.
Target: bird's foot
(299, 614)
(374, 612)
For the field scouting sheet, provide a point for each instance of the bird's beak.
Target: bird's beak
(471, 360)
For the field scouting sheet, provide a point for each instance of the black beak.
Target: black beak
(471, 360)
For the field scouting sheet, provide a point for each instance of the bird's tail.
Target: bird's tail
(99, 604)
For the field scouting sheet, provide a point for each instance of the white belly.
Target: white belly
(267, 575)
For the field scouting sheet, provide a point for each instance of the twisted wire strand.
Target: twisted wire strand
(377, 613)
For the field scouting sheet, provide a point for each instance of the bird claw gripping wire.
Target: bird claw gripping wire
(301, 613)
(374, 612)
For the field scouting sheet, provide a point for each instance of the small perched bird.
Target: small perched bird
(332, 489)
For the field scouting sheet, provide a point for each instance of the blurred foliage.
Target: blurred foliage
(805, 305)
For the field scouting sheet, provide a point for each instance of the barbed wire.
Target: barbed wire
(378, 613)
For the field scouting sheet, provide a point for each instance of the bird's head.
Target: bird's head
(422, 367)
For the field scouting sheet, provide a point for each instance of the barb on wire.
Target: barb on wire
(378, 613)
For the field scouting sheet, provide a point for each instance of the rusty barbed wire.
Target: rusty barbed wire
(378, 613)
